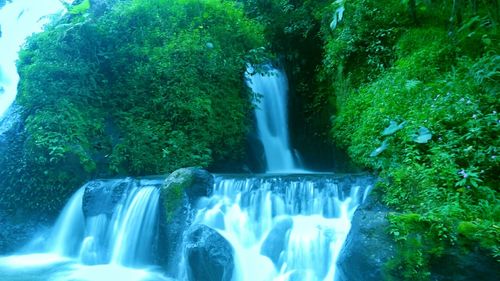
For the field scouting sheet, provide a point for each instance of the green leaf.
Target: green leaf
(380, 149)
(393, 127)
(80, 8)
(422, 136)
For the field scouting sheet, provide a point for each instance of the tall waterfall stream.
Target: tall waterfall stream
(287, 224)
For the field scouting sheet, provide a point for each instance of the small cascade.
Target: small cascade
(18, 20)
(108, 230)
(67, 232)
(122, 232)
(135, 227)
(272, 119)
(284, 227)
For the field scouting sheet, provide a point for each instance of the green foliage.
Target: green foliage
(439, 170)
(364, 41)
(79, 8)
(146, 88)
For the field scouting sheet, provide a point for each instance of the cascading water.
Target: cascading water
(272, 119)
(284, 227)
(113, 240)
(18, 20)
(123, 237)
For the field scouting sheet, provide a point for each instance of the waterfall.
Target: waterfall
(271, 114)
(123, 237)
(287, 224)
(284, 227)
(135, 226)
(68, 230)
(18, 20)
(106, 231)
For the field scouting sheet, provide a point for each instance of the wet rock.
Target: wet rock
(209, 255)
(195, 182)
(276, 239)
(201, 185)
(368, 246)
(180, 190)
(101, 197)
(11, 126)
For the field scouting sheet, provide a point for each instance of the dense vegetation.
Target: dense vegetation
(146, 88)
(408, 87)
(417, 100)
(414, 88)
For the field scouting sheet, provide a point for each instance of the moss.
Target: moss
(173, 191)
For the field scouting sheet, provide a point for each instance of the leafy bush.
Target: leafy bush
(424, 114)
(146, 88)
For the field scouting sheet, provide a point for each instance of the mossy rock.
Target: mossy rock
(180, 190)
(193, 182)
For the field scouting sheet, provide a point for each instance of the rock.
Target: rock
(193, 182)
(275, 241)
(209, 256)
(18, 231)
(368, 245)
(11, 125)
(180, 190)
(101, 196)
(201, 185)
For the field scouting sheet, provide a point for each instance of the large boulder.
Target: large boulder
(368, 245)
(17, 227)
(180, 190)
(276, 239)
(193, 182)
(208, 254)
(11, 126)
